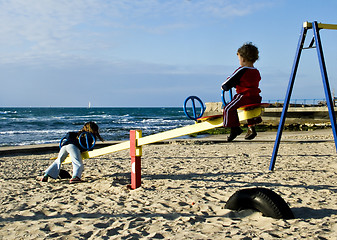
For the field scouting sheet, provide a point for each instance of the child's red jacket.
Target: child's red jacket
(245, 80)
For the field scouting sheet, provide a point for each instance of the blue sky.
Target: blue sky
(147, 53)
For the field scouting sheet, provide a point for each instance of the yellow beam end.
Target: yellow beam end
(308, 25)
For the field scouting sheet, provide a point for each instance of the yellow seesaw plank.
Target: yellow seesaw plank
(178, 132)
(102, 151)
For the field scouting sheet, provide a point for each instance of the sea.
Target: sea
(32, 126)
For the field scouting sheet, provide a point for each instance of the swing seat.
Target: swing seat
(251, 111)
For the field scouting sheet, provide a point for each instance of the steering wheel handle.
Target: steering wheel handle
(223, 98)
(61, 142)
(88, 145)
(195, 115)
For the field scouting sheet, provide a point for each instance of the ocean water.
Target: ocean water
(30, 126)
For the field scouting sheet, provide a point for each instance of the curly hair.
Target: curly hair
(249, 52)
(93, 128)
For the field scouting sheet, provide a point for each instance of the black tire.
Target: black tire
(64, 174)
(263, 200)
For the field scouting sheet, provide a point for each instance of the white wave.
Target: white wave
(34, 132)
(8, 112)
(36, 142)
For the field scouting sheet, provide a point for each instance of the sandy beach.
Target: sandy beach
(185, 186)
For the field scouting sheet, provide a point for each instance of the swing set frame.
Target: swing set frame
(315, 43)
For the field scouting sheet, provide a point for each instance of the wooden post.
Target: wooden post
(135, 153)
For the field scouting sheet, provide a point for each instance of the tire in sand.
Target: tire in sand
(263, 200)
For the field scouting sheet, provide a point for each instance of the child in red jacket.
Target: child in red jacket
(246, 80)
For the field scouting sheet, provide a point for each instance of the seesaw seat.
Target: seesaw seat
(206, 118)
(251, 111)
(245, 112)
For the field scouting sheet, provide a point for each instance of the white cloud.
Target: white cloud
(47, 44)
(56, 27)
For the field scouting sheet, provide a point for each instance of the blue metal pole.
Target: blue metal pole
(287, 98)
(325, 80)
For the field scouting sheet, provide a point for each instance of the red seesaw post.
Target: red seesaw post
(135, 153)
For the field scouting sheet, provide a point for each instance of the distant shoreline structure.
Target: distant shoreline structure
(315, 102)
(297, 113)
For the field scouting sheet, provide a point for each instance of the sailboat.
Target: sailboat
(89, 105)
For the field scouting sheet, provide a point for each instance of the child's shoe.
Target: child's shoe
(235, 131)
(251, 133)
(42, 179)
(75, 180)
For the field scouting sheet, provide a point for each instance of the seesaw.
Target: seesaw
(137, 141)
(202, 124)
(174, 133)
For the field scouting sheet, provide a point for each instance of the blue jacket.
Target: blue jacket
(72, 138)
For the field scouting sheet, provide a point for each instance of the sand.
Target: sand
(185, 186)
